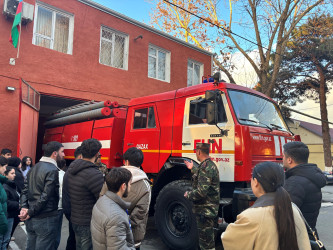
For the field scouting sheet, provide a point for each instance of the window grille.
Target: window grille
(158, 64)
(30, 96)
(113, 49)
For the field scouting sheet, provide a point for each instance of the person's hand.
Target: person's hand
(189, 164)
(185, 195)
(24, 214)
(26, 218)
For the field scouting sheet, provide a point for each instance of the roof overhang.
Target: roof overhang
(142, 25)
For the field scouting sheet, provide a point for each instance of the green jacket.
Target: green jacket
(3, 207)
(206, 189)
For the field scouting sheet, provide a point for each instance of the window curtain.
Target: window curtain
(61, 33)
(43, 28)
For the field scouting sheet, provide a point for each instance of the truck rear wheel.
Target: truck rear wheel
(174, 219)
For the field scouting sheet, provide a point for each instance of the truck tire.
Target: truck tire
(174, 219)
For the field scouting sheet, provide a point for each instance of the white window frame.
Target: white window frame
(126, 45)
(54, 11)
(167, 63)
(201, 70)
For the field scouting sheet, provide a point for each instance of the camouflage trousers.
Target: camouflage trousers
(206, 231)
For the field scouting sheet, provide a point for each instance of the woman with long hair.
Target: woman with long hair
(26, 165)
(13, 202)
(273, 222)
(19, 179)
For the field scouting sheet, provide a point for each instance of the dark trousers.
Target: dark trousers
(41, 233)
(206, 231)
(59, 219)
(71, 243)
(82, 237)
(16, 222)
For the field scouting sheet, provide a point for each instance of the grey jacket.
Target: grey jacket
(139, 197)
(110, 227)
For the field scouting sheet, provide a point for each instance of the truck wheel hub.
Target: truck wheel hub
(178, 219)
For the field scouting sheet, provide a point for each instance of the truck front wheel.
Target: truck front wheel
(174, 219)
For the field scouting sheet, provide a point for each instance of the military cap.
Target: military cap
(203, 146)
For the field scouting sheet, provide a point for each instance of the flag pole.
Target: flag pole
(19, 43)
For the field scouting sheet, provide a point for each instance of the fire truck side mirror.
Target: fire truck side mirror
(211, 95)
(211, 113)
(215, 112)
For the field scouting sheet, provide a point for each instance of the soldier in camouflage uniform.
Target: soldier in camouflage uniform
(205, 195)
(101, 166)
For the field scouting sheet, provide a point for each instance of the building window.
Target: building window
(194, 73)
(158, 64)
(53, 29)
(114, 48)
(144, 118)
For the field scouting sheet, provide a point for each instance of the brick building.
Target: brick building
(77, 50)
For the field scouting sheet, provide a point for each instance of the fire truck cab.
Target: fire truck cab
(243, 126)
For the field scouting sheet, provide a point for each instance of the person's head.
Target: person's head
(54, 150)
(133, 157)
(202, 151)
(3, 164)
(10, 173)
(26, 161)
(90, 149)
(14, 162)
(268, 177)
(78, 153)
(6, 152)
(118, 181)
(295, 153)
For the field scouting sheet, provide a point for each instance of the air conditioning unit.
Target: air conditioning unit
(10, 7)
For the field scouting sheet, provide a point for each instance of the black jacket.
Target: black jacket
(41, 190)
(13, 199)
(19, 180)
(85, 182)
(304, 183)
(66, 199)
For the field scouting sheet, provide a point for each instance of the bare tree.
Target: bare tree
(271, 22)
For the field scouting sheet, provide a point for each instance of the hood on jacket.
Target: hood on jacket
(137, 173)
(11, 184)
(113, 196)
(78, 165)
(309, 171)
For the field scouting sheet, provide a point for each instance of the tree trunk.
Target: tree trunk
(325, 127)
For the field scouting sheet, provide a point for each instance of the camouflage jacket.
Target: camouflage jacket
(206, 189)
(103, 168)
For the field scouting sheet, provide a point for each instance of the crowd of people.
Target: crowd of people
(275, 220)
(109, 209)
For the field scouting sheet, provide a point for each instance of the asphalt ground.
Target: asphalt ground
(153, 241)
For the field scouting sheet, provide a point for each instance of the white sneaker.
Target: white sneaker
(12, 238)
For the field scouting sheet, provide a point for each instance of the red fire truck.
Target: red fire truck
(243, 126)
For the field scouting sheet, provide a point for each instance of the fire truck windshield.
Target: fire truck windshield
(254, 110)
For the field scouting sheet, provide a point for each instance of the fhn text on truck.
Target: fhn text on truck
(244, 127)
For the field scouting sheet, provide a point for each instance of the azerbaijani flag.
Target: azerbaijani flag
(14, 37)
